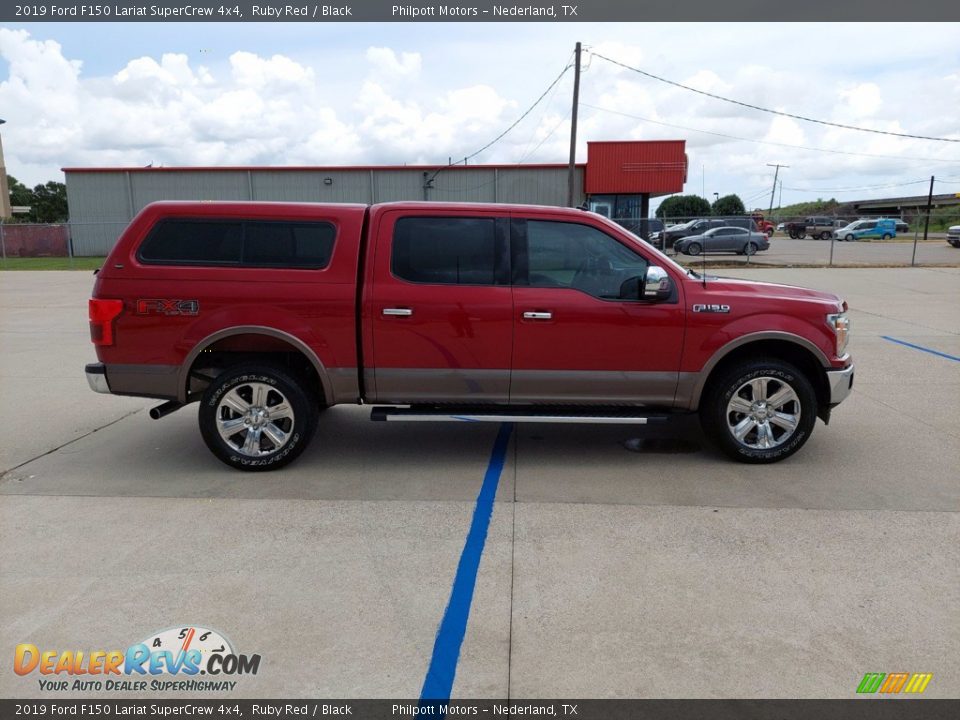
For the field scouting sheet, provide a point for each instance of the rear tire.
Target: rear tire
(887, 236)
(759, 411)
(750, 248)
(825, 235)
(801, 236)
(256, 417)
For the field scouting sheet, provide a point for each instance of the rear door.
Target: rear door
(438, 308)
(576, 340)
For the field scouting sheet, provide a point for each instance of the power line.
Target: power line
(856, 189)
(520, 119)
(768, 142)
(774, 112)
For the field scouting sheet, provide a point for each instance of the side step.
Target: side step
(601, 416)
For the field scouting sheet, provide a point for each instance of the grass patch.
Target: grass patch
(51, 263)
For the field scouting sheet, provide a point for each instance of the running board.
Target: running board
(604, 417)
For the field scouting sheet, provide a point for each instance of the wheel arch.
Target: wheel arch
(322, 376)
(794, 349)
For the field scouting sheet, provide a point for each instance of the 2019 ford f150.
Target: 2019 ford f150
(268, 313)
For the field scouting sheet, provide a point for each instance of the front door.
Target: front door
(576, 340)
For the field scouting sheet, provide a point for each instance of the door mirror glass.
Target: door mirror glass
(657, 284)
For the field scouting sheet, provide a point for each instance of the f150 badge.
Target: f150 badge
(168, 307)
(700, 307)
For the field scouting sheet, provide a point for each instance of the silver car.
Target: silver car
(723, 239)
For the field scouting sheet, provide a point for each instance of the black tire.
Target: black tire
(793, 235)
(770, 233)
(801, 236)
(693, 249)
(716, 415)
(750, 248)
(278, 390)
(825, 235)
(849, 238)
(887, 236)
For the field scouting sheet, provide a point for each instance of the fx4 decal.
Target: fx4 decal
(168, 307)
(701, 308)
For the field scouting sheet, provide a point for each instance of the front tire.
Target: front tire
(257, 417)
(693, 249)
(759, 411)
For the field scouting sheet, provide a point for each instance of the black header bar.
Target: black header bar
(470, 11)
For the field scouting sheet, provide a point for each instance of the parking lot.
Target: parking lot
(619, 562)
(812, 252)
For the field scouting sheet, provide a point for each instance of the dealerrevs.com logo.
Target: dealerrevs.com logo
(190, 658)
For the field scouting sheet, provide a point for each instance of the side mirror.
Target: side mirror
(657, 284)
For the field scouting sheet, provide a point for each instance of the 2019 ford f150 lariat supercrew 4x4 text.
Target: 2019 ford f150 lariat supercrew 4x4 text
(267, 313)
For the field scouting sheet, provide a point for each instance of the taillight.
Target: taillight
(102, 314)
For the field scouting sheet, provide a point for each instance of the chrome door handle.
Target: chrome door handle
(538, 316)
(398, 312)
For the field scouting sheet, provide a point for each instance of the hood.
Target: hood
(769, 290)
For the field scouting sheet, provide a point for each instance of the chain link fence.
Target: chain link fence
(827, 240)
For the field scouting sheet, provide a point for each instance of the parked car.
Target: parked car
(816, 226)
(867, 229)
(665, 239)
(267, 313)
(724, 239)
(953, 235)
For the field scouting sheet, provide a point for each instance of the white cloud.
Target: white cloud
(381, 104)
(385, 62)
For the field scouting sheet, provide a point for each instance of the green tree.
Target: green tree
(49, 203)
(20, 194)
(683, 206)
(729, 205)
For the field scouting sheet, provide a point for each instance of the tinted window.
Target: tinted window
(568, 255)
(194, 242)
(288, 244)
(449, 251)
(253, 244)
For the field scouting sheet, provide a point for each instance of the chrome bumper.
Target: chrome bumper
(841, 383)
(97, 378)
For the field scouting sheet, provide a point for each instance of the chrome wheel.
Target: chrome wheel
(255, 419)
(763, 413)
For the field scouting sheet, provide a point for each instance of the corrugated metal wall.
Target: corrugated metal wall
(102, 203)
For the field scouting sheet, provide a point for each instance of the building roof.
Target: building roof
(321, 168)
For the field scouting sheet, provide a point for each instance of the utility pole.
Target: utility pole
(573, 127)
(926, 223)
(774, 190)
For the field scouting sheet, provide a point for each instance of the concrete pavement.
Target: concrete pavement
(613, 567)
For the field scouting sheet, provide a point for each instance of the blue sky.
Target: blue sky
(188, 94)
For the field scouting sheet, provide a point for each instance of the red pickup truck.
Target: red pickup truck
(268, 313)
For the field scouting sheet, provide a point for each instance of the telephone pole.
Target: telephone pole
(774, 190)
(571, 171)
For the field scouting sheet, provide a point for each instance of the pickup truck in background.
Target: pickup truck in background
(816, 226)
(268, 313)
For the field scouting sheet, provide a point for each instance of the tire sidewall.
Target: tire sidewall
(713, 413)
(304, 415)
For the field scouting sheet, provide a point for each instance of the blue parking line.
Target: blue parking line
(920, 347)
(438, 683)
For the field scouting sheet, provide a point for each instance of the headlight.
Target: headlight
(841, 328)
